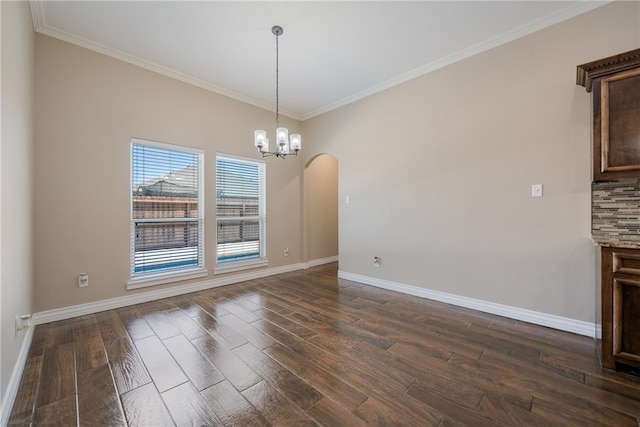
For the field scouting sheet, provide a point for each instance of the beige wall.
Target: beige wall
(321, 201)
(88, 106)
(439, 171)
(15, 178)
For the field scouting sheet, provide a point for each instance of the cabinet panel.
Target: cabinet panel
(626, 320)
(620, 307)
(619, 146)
(615, 82)
(626, 263)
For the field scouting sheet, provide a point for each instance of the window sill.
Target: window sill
(229, 267)
(164, 278)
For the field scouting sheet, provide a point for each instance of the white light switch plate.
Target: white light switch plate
(536, 190)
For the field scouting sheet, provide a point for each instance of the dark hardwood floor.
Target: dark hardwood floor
(305, 348)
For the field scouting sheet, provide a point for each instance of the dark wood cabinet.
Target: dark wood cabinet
(615, 82)
(620, 307)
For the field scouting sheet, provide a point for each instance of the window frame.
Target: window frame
(228, 266)
(141, 280)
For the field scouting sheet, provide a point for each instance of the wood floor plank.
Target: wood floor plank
(211, 306)
(328, 413)
(136, 326)
(212, 326)
(144, 407)
(550, 383)
(352, 333)
(496, 408)
(58, 378)
(240, 297)
(319, 308)
(247, 331)
(185, 324)
(289, 303)
(89, 347)
(200, 371)
(499, 381)
(268, 303)
(457, 368)
(584, 414)
(129, 371)
(374, 413)
(244, 314)
(289, 340)
(425, 350)
(454, 411)
(187, 304)
(39, 340)
(275, 408)
(83, 321)
(278, 377)
(234, 369)
(164, 370)
(189, 408)
(347, 359)
(59, 413)
(615, 383)
(164, 304)
(287, 324)
(415, 334)
(59, 333)
(321, 380)
(231, 407)
(161, 325)
(110, 325)
(98, 400)
(305, 348)
(415, 411)
(25, 402)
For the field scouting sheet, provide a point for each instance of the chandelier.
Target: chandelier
(285, 144)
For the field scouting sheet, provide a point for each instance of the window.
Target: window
(240, 213)
(166, 213)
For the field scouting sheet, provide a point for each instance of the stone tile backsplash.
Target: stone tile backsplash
(615, 210)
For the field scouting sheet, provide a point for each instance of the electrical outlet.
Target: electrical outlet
(23, 322)
(286, 251)
(377, 261)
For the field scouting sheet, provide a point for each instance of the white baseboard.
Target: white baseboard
(321, 261)
(109, 304)
(112, 303)
(542, 319)
(14, 381)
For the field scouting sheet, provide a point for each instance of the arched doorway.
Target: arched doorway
(321, 209)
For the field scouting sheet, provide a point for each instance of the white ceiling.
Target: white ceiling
(331, 52)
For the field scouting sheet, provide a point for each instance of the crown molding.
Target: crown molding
(524, 30)
(586, 73)
(40, 26)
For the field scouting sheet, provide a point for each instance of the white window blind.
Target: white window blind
(166, 209)
(240, 209)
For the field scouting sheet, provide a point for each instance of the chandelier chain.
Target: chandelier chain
(277, 85)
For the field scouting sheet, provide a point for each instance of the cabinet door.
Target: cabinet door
(616, 122)
(626, 321)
